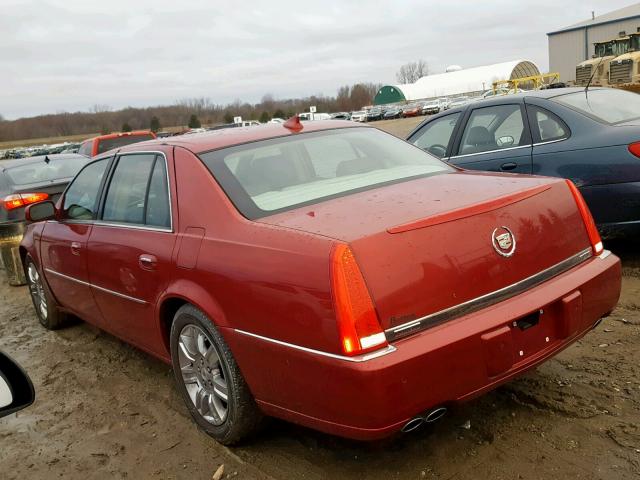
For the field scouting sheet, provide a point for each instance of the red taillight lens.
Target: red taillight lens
(590, 225)
(358, 325)
(18, 200)
(634, 148)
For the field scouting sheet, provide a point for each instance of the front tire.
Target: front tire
(209, 380)
(47, 310)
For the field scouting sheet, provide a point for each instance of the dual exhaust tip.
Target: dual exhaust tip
(429, 417)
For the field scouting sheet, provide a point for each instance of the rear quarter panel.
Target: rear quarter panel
(264, 279)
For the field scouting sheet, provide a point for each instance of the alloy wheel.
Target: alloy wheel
(37, 290)
(203, 374)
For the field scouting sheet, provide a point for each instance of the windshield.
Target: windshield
(607, 105)
(279, 174)
(620, 47)
(111, 143)
(42, 172)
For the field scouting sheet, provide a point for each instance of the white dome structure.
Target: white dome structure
(453, 68)
(456, 82)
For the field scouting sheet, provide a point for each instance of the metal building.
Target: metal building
(456, 82)
(573, 44)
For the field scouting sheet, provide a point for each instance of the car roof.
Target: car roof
(7, 164)
(215, 139)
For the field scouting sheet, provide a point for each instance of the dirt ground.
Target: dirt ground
(106, 410)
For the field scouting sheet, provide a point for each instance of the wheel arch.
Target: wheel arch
(181, 293)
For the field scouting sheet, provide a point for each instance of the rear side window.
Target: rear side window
(137, 192)
(157, 208)
(80, 199)
(547, 127)
(435, 136)
(110, 143)
(282, 173)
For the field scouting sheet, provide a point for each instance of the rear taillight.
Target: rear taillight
(634, 148)
(590, 225)
(17, 200)
(358, 325)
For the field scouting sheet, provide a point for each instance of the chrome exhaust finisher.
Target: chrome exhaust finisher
(428, 417)
(412, 424)
(435, 415)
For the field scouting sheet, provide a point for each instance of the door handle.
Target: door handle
(508, 166)
(147, 262)
(75, 248)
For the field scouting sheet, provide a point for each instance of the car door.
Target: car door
(131, 245)
(436, 136)
(494, 138)
(594, 156)
(63, 244)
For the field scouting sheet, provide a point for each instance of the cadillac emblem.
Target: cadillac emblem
(503, 241)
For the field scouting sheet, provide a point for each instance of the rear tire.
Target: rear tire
(209, 380)
(47, 310)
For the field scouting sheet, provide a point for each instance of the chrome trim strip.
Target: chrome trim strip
(486, 300)
(132, 226)
(82, 282)
(492, 151)
(550, 141)
(357, 359)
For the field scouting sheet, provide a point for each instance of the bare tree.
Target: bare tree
(99, 108)
(412, 71)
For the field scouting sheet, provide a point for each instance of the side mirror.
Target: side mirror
(16, 389)
(40, 211)
(505, 141)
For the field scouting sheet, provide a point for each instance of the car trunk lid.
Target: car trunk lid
(434, 244)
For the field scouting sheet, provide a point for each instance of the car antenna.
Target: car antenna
(593, 74)
(47, 159)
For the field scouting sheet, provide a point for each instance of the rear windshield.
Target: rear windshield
(608, 105)
(43, 172)
(111, 143)
(279, 174)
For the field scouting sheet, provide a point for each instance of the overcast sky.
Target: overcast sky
(67, 55)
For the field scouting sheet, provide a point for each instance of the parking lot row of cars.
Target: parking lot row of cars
(23, 152)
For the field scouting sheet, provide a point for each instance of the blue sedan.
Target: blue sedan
(592, 138)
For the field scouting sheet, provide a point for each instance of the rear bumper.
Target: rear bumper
(449, 363)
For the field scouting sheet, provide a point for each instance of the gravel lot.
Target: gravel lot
(106, 410)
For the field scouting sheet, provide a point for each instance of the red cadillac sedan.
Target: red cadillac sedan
(328, 274)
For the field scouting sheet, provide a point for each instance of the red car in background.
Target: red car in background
(412, 111)
(104, 143)
(329, 274)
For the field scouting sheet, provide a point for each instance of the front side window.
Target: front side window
(493, 128)
(279, 174)
(80, 199)
(138, 192)
(435, 136)
(549, 126)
